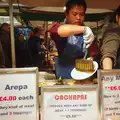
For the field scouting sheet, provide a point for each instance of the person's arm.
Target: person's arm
(107, 63)
(58, 31)
(68, 30)
(109, 49)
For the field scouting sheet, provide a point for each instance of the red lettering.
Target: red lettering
(56, 97)
(85, 97)
(10, 113)
(70, 97)
(61, 97)
(74, 97)
(4, 98)
(1, 98)
(78, 97)
(66, 97)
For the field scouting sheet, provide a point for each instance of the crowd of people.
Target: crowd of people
(30, 51)
(70, 39)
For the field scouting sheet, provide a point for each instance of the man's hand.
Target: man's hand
(88, 37)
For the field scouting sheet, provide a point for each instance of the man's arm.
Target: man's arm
(109, 49)
(68, 30)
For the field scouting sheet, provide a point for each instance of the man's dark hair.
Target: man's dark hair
(70, 3)
(4, 24)
(36, 30)
(41, 40)
(117, 12)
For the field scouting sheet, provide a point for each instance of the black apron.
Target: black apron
(66, 61)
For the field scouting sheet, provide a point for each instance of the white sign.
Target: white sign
(70, 103)
(18, 94)
(110, 88)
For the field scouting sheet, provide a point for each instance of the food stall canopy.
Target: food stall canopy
(106, 4)
(52, 13)
(4, 9)
(6, 19)
(46, 12)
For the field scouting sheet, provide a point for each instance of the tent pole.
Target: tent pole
(12, 33)
(97, 31)
(46, 38)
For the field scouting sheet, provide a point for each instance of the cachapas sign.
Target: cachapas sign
(72, 103)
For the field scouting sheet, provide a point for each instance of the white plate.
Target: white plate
(78, 75)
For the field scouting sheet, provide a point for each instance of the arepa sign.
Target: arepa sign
(18, 94)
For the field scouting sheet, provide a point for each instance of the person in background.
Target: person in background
(72, 38)
(52, 46)
(6, 43)
(2, 58)
(110, 49)
(43, 51)
(34, 47)
(22, 54)
(42, 44)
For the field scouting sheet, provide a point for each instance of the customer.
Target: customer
(2, 57)
(35, 48)
(6, 43)
(110, 49)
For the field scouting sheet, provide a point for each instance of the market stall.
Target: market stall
(67, 99)
(43, 15)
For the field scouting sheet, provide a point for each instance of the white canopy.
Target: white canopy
(106, 4)
(6, 19)
(61, 9)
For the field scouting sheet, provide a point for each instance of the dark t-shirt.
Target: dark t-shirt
(34, 45)
(6, 44)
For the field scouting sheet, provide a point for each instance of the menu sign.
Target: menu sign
(18, 94)
(110, 88)
(70, 103)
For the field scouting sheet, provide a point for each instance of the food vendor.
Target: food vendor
(71, 38)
